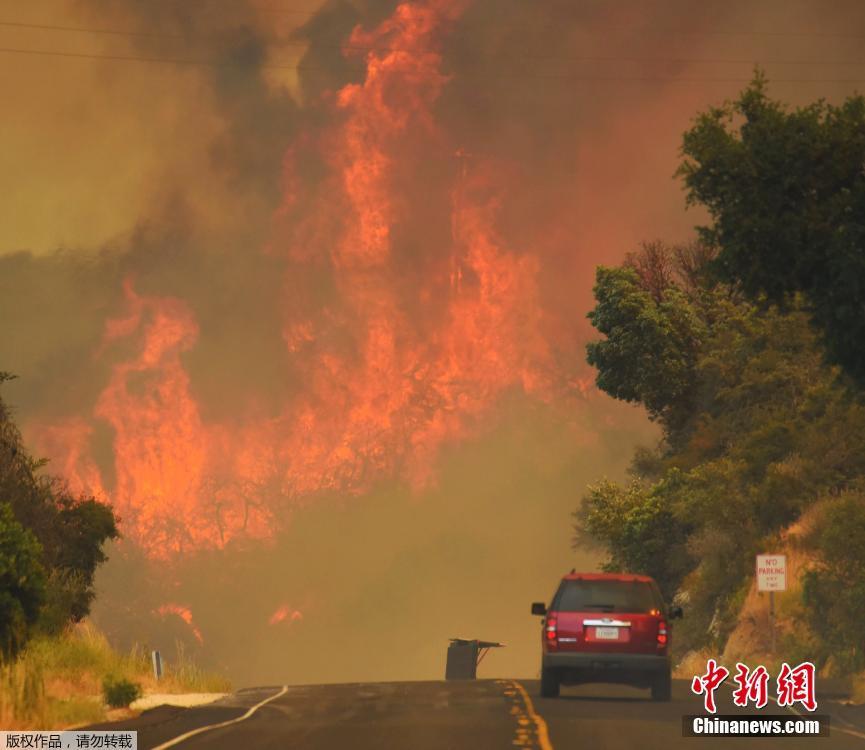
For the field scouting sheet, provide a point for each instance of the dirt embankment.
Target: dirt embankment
(751, 641)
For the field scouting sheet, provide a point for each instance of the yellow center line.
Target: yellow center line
(541, 731)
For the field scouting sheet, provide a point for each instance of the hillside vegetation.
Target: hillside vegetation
(740, 347)
(58, 681)
(51, 543)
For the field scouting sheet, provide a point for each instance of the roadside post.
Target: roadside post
(772, 577)
(157, 665)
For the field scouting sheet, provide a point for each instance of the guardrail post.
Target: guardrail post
(157, 665)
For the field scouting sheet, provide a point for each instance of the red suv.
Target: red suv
(606, 627)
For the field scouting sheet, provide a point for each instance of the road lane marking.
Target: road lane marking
(853, 732)
(183, 737)
(541, 730)
(833, 725)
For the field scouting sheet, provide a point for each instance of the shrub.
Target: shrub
(833, 590)
(119, 692)
(50, 563)
(22, 583)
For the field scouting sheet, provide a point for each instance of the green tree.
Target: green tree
(71, 531)
(22, 583)
(786, 193)
(74, 548)
(763, 431)
(639, 530)
(727, 346)
(652, 342)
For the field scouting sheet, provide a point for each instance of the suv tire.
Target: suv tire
(662, 686)
(549, 683)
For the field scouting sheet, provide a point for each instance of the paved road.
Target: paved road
(451, 716)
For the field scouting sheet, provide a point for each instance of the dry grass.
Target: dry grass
(57, 682)
(692, 663)
(185, 676)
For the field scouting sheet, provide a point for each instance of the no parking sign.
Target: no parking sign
(771, 572)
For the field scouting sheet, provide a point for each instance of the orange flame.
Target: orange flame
(387, 377)
(285, 612)
(68, 441)
(184, 613)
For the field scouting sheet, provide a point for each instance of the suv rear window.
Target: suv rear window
(605, 596)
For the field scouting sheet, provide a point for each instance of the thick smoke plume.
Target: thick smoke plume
(316, 325)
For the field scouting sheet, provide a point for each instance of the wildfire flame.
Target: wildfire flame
(67, 441)
(285, 613)
(184, 613)
(387, 377)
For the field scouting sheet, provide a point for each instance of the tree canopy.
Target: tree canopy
(763, 431)
(785, 189)
(59, 540)
(22, 583)
(651, 344)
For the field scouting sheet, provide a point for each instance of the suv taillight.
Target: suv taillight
(662, 633)
(550, 633)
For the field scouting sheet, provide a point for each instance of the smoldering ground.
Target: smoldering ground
(272, 225)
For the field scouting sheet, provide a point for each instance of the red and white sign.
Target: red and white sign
(771, 572)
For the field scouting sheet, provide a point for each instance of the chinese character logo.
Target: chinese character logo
(796, 685)
(753, 687)
(707, 684)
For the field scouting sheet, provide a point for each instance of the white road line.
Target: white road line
(201, 730)
(833, 725)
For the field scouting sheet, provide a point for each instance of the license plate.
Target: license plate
(607, 634)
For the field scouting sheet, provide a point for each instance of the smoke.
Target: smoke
(316, 321)
(380, 584)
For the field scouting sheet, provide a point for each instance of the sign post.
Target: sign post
(157, 665)
(772, 577)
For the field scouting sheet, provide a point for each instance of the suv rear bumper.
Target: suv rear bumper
(607, 663)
